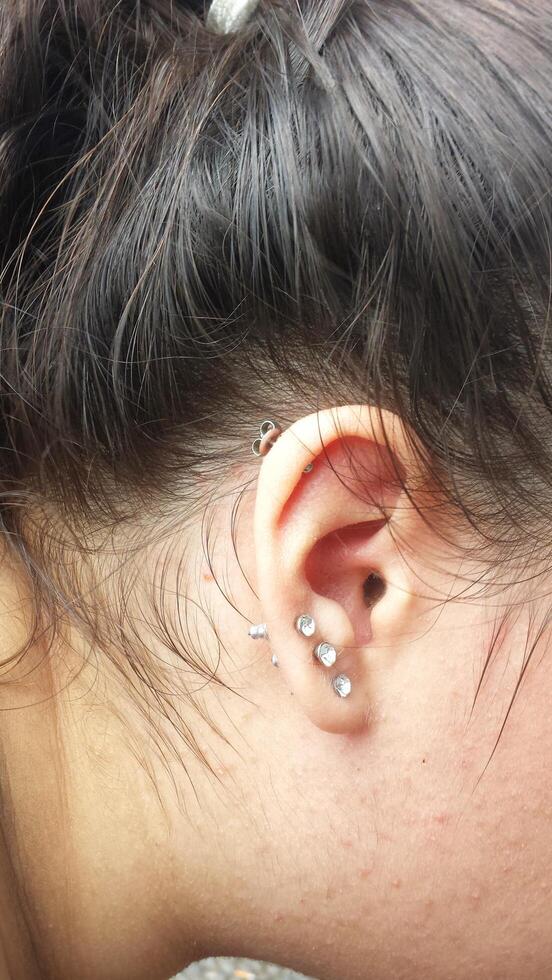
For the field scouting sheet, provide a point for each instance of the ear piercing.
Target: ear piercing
(259, 632)
(326, 654)
(305, 625)
(342, 685)
(269, 433)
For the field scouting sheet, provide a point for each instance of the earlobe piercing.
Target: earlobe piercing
(305, 625)
(342, 685)
(326, 654)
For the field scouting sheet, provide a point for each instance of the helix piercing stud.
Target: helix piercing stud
(274, 660)
(259, 632)
(342, 685)
(305, 625)
(326, 654)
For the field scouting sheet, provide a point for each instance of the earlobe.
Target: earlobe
(319, 535)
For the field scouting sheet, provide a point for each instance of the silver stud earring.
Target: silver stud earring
(305, 625)
(259, 632)
(342, 685)
(326, 654)
(274, 660)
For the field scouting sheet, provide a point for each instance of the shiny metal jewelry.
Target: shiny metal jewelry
(342, 685)
(274, 660)
(326, 654)
(305, 625)
(259, 632)
(269, 432)
(228, 16)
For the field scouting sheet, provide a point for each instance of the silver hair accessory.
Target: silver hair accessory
(228, 16)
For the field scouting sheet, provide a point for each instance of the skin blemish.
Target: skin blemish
(207, 577)
(396, 883)
(365, 872)
(347, 842)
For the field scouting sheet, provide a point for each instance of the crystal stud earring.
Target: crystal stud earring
(326, 654)
(259, 632)
(342, 685)
(305, 625)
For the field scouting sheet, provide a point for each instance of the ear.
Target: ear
(325, 543)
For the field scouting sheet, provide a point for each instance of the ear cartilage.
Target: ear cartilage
(326, 654)
(342, 685)
(259, 632)
(305, 625)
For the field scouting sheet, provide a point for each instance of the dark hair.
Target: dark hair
(347, 200)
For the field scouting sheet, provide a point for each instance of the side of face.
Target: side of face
(404, 830)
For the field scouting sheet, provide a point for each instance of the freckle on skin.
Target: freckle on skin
(207, 577)
(365, 872)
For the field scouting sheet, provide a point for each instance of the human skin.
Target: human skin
(399, 843)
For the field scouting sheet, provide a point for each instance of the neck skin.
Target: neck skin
(319, 851)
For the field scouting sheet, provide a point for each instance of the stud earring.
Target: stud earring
(274, 660)
(259, 632)
(326, 654)
(342, 685)
(305, 625)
